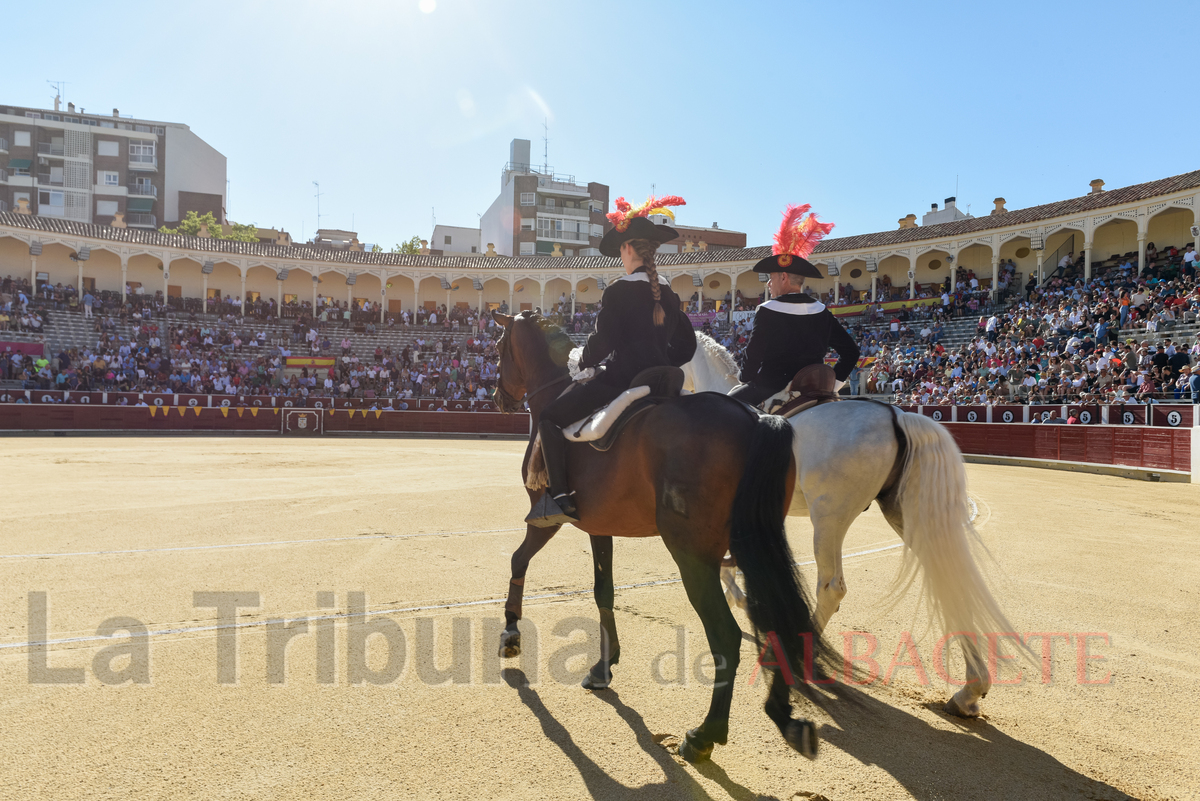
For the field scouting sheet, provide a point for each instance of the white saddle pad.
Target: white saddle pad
(596, 426)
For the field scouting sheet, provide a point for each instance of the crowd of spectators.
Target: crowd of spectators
(1066, 341)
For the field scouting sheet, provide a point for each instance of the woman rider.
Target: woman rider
(640, 325)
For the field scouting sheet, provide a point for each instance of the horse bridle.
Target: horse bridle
(504, 398)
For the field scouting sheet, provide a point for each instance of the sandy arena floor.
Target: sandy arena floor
(133, 526)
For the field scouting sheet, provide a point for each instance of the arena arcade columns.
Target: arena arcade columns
(124, 277)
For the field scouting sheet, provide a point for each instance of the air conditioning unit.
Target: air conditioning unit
(1195, 231)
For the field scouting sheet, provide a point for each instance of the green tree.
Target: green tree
(376, 249)
(411, 247)
(191, 222)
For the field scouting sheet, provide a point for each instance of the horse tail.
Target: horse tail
(940, 539)
(776, 602)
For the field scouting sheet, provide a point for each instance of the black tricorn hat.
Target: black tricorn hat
(787, 263)
(638, 228)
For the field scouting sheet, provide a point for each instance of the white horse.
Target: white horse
(851, 453)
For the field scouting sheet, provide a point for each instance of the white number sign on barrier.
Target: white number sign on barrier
(1174, 418)
(972, 417)
(1127, 418)
(1085, 417)
(1007, 416)
(937, 416)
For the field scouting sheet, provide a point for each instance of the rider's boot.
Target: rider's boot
(556, 506)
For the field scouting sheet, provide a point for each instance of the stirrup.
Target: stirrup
(546, 512)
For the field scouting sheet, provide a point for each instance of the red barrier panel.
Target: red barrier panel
(1172, 416)
(972, 414)
(1007, 414)
(1131, 415)
(1087, 415)
(67, 417)
(1133, 446)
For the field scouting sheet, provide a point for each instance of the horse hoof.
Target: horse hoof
(802, 736)
(510, 644)
(957, 708)
(694, 748)
(596, 680)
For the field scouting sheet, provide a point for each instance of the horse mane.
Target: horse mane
(717, 352)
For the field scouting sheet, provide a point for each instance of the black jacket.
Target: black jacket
(791, 332)
(625, 329)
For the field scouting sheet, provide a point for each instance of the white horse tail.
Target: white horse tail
(940, 538)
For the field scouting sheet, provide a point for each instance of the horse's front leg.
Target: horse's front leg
(535, 539)
(600, 676)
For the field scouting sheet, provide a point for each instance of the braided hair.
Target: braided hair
(645, 249)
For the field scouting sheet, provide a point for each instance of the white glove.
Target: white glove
(837, 386)
(586, 374)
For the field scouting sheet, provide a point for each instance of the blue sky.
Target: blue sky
(868, 111)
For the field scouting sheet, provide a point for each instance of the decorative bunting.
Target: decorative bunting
(224, 411)
(153, 409)
(240, 410)
(377, 413)
(196, 409)
(254, 411)
(182, 410)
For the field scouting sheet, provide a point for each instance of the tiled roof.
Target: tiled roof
(1029, 216)
(256, 250)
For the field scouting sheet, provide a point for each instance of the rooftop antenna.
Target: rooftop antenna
(546, 145)
(433, 214)
(59, 86)
(317, 184)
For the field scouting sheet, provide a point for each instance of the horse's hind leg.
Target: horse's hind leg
(703, 584)
(600, 676)
(535, 539)
(829, 532)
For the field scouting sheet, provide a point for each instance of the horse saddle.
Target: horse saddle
(813, 385)
(602, 427)
(649, 388)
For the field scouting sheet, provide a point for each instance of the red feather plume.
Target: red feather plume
(799, 235)
(626, 212)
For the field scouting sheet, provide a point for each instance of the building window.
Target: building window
(106, 208)
(528, 198)
(108, 178)
(597, 230)
(527, 224)
(20, 138)
(71, 119)
(105, 147)
(107, 124)
(549, 202)
(53, 117)
(33, 115)
(595, 205)
(447, 240)
(50, 199)
(142, 152)
(90, 122)
(474, 249)
(527, 248)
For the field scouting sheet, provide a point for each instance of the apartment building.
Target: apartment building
(452, 240)
(541, 212)
(106, 170)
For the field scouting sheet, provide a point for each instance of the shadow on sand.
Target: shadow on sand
(975, 761)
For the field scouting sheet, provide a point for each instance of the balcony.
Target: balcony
(141, 189)
(46, 210)
(45, 179)
(552, 186)
(143, 163)
(140, 220)
(48, 149)
(563, 236)
(563, 211)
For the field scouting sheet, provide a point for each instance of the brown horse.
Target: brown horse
(707, 475)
